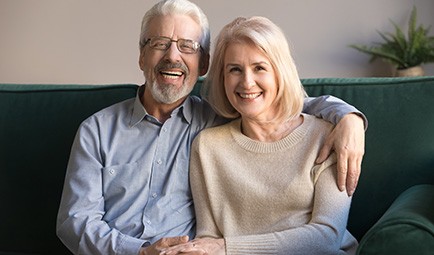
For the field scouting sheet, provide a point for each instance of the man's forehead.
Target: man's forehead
(175, 26)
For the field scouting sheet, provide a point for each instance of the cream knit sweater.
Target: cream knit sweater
(269, 198)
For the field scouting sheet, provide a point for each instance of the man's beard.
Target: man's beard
(168, 93)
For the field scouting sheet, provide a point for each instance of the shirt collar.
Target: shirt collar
(139, 112)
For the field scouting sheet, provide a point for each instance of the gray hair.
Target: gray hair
(177, 7)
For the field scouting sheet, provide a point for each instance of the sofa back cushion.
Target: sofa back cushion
(399, 140)
(37, 127)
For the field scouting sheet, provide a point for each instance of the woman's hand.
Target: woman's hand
(199, 246)
(163, 243)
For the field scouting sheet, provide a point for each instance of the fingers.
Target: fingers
(199, 246)
(170, 241)
(190, 248)
(342, 166)
(349, 167)
(354, 169)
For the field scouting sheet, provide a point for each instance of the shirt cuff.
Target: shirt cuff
(130, 245)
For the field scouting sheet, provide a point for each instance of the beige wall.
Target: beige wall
(91, 41)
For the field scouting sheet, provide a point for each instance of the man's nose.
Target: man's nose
(173, 53)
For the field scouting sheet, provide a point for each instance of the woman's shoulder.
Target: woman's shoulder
(217, 134)
(317, 124)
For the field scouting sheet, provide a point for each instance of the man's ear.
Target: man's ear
(204, 65)
(141, 59)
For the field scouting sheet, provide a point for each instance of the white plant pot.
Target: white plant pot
(409, 72)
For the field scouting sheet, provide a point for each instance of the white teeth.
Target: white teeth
(250, 95)
(171, 74)
(170, 77)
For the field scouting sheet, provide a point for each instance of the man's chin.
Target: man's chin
(169, 97)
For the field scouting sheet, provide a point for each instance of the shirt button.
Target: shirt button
(164, 129)
(112, 171)
(154, 195)
(159, 161)
(148, 221)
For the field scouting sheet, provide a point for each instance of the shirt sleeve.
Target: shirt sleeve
(330, 108)
(80, 223)
(324, 233)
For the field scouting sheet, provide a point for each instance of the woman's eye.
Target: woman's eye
(234, 69)
(260, 68)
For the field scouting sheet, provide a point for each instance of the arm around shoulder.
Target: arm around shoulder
(331, 109)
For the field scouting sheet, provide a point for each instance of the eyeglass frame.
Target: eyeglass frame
(196, 45)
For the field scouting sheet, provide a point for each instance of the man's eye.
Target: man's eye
(186, 46)
(160, 44)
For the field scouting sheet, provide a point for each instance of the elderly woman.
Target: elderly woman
(255, 183)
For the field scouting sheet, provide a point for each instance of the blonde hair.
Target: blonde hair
(270, 40)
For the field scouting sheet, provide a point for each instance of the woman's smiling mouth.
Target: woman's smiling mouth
(249, 95)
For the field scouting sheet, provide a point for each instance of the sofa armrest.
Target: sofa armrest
(407, 227)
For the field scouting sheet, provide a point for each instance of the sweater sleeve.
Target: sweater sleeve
(322, 235)
(206, 226)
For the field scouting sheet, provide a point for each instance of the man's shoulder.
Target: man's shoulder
(199, 104)
(113, 111)
(203, 113)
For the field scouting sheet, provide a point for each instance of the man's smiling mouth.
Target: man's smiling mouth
(171, 74)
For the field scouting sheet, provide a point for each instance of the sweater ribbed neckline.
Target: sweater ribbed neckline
(287, 142)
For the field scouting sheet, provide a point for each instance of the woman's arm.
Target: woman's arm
(325, 233)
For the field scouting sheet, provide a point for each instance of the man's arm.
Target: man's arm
(80, 223)
(331, 108)
(347, 139)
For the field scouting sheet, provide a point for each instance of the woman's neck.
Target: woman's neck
(271, 131)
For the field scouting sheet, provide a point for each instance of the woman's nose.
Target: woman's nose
(248, 81)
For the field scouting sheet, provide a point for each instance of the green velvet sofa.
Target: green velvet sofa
(392, 210)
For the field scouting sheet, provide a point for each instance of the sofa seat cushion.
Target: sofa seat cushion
(406, 227)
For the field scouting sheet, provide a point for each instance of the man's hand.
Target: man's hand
(163, 243)
(348, 141)
(199, 246)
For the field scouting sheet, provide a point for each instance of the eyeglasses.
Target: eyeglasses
(163, 43)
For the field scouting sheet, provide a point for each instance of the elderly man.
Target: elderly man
(126, 188)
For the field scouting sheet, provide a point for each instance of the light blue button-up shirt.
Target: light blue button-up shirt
(127, 179)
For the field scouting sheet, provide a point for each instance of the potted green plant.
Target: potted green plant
(405, 52)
